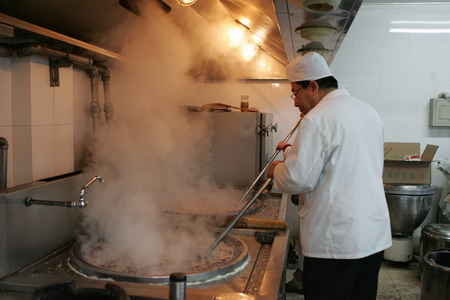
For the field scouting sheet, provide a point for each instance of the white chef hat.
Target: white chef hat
(310, 66)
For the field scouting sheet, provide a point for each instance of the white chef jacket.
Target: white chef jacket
(336, 163)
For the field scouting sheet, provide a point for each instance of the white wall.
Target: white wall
(43, 124)
(398, 72)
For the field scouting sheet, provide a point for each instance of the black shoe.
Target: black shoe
(291, 289)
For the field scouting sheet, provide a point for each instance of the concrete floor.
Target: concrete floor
(395, 282)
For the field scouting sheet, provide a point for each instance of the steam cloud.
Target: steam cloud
(154, 155)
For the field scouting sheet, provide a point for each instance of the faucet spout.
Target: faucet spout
(82, 203)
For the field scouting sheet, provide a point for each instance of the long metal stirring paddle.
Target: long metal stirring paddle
(269, 162)
(247, 206)
(237, 218)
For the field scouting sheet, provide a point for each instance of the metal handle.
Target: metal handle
(238, 217)
(269, 162)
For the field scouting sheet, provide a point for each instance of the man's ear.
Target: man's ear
(313, 85)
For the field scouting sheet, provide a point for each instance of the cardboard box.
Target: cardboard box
(398, 171)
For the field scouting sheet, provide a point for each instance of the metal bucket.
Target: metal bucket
(432, 238)
(408, 206)
(436, 276)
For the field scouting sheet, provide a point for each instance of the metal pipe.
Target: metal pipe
(6, 50)
(94, 109)
(30, 201)
(3, 163)
(107, 105)
(269, 162)
(238, 217)
(177, 286)
(81, 203)
(28, 49)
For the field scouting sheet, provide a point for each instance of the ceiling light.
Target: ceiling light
(235, 36)
(313, 46)
(186, 2)
(316, 30)
(321, 5)
(249, 51)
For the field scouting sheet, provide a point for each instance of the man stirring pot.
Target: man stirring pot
(335, 163)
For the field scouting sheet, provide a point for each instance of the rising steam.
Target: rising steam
(154, 155)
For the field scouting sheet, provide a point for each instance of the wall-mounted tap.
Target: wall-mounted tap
(81, 202)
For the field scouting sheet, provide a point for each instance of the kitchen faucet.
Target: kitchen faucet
(81, 203)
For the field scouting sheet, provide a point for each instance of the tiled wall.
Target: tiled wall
(39, 121)
(398, 72)
(395, 72)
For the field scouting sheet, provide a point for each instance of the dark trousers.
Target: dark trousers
(341, 279)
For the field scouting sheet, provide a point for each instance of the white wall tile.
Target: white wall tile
(394, 63)
(394, 133)
(422, 63)
(82, 96)
(342, 65)
(42, 140)
(22, 154)
(416, 110)
(368, 28)
(366, 63)
(63, 98)
(259, 95)
(231, 93)
(425, 20)
(41, 93)
(444, 25)
(392, 104)
(64, 148)
(368, 93)
(443, 63)
(21, 91)
(5, 92)
(395, 24)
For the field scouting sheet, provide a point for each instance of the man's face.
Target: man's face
(305, 97)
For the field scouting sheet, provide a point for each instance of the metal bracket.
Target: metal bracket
(54, 65)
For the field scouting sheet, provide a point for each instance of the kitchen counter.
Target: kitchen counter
(261, 279)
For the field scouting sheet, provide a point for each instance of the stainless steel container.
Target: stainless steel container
(436, 276)
(408, 206)
(432, 238)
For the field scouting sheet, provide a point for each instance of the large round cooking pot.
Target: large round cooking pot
(408, 206)
(436, 276)
(432, 238)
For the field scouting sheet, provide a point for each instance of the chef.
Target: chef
(335, 163)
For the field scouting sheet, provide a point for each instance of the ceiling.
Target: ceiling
(76, 23)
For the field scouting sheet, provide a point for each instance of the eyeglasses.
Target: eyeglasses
(294, 94)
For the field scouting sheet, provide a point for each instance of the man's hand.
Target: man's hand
(282, 145)
(272, 168)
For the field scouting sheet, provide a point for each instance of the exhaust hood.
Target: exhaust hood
(293, 15)
(77, 25)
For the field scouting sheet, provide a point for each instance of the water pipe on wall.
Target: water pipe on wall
(3, 163)
(60, 58)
